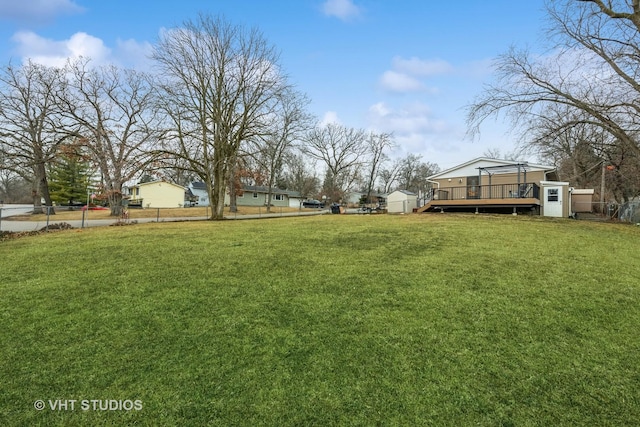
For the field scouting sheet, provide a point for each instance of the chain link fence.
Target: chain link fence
(624, 212)
(630, 212)
(20, 218)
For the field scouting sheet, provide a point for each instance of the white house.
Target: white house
(199, 189)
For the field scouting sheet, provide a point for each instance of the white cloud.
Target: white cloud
(134, 54)
(36, 10)
(330, 117)
(419, 67)
(341, 9)
(481, 69)
(399, 82)
(128, 53)
(417, 130)
(415, 118)
(406, 74)
(55, 53)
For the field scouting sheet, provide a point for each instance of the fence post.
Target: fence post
(0, 219)
(46, 228)
(158, 215)
(82, 224)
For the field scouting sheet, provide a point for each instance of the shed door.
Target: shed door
(553, 201)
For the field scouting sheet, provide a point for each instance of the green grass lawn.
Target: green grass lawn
(445, 320)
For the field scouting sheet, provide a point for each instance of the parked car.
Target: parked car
(312, 204)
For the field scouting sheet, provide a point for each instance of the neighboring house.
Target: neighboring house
(190, 199)
(487, 185)
(156, 194)
(258, 195)
(353, 198)
(401, 201)
(251, 196)
(199, 190)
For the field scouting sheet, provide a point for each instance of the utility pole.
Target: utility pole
(602, 183)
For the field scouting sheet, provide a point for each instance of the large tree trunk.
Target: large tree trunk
(115, 202)
(37, 200)
(233, 193)
(270, 192)
(44, 188)
(36, 188)
(217, 193)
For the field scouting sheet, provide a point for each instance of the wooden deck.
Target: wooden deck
(499, 197)
(477, 203)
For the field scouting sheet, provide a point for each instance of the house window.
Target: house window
(552, 195)
(279, 197)
(255, 195)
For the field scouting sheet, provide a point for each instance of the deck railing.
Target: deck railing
(528, 190)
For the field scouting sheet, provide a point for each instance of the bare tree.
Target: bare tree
(389, 176)
(14, 188)
(342, 150)
(289, 124)
(413, 174)
(591, 78)
(220, 81)
(299, 176)
(113, 109)
(377, 144)
(30, 123)
(497, 153)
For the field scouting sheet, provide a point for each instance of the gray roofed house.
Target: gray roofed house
(251, 195)
(255, 195)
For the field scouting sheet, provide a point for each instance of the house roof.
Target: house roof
(198, 185)
(583, 191)
(157, 182)
(487, 165)
(265, 189)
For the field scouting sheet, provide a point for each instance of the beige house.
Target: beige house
(157, 194)
(492, 185)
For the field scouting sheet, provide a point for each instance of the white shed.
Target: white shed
(402, 201)
(556, 199)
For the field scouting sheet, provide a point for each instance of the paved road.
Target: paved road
(12, 210)
(38, 225)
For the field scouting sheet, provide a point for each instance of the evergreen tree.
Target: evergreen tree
(69, 180)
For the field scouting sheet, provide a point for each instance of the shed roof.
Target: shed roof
(407, 192)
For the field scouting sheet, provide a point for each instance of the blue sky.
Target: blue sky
(403, 66)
